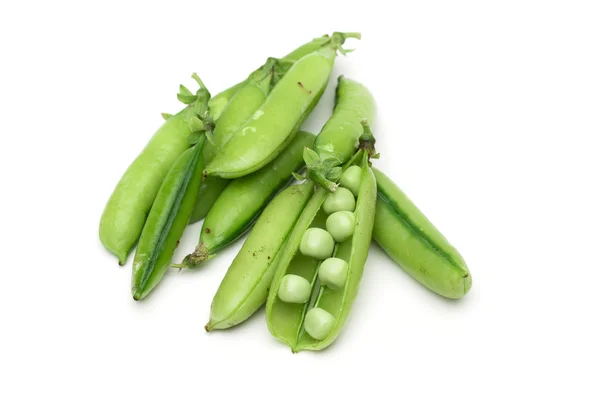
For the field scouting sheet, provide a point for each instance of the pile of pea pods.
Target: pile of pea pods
(312, 204)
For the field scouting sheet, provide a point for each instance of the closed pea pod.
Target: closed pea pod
(339, 138)
(219, 102)
(167, 220)
(243, 103)
(241, 202)
(314, 326)
(414, 243)
(276, 122)
(244, 288)
(125, 213)
(227, 104)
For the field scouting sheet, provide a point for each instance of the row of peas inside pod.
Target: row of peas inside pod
(319, 269)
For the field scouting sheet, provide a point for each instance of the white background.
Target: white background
(488, 119)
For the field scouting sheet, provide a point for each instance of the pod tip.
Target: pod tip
(467, 283)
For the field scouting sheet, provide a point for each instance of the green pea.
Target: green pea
(333, 272)
(341, 200)
(318, 323)
(341, 225)
(351, 179)
(294, 289)
(317, 243)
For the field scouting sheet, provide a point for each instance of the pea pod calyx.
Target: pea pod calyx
(324, 170)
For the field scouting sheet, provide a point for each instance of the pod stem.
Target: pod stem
(367, 140)
(195, 259)
(320, 179)
(339, 38)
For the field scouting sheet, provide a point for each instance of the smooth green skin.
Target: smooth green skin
(284, 320)
(318, 323)
(275, 123)
(340, 200)
(125, 213)
(241, 202)
(339, 136)
(218, 103)
(250, 96)
(351, 179)
(294, 289)
(340, 225)
(333, 272)
(317, 243)
(210, 190)
(414, 243)
(245, 287)
(243, 103)
(167, 220)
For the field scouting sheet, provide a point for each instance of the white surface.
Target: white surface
(488, 119)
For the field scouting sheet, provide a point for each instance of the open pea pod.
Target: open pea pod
(320, 267)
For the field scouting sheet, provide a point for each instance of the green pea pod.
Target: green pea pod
(248, 98)
(275, 123)
(243, 103)
(167, 220)
(210, 190)
(245, 287)
(286, 320)
(213, 186)
(412, 241)
(218, 103)
(338, 140)
(125, 213)
(241, 202)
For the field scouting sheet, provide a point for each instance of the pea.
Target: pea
(317, 243)
(340, 225)
(318, 323)
(351, 179)
(333, 272)
(341, 200)
(294, 289)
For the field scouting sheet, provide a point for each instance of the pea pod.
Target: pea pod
(414, 243)
(125, 213)
(246, 100)
(210, 190)
(167, 220)
(212, 186)
(275, 123)
(243, 103)
(315, 325)
(338, 140)
(241, 202)
(218, 103)
(245, 287)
